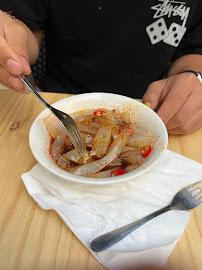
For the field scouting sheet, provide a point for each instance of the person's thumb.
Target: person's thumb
(153, 94)
(17, 39)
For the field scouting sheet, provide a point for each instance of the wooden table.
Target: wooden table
(31, 238)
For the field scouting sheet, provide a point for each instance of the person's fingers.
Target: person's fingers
(153, 94)
(12, 82)
(8, 58)
(13, 54)
(13, 46)
(22, 90)
(176, 97)
(190, 126)
(17, 38)
(188, 109)
(156, 92)
(10, 79)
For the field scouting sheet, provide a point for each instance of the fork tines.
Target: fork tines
(72, 130)
(196, 191)
(194, 186)
(75, 137)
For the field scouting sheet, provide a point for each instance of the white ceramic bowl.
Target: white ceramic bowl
(39, 138)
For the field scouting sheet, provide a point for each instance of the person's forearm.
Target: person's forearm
(34, 43)
(186, 62)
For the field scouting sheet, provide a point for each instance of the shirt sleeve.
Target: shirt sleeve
(34, 13)
(192, 40)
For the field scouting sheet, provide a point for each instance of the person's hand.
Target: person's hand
(178, 101)
(14, 59)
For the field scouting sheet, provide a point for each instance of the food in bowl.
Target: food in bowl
(115, 145)
(141, 115)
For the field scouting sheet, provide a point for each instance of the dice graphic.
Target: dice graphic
(157, 31)
(176, 32)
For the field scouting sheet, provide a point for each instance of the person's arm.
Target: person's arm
(179, 97)
(19, 48)
(186, 62)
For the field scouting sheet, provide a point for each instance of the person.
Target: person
(146, 49)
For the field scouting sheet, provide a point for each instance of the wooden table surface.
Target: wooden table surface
(32, 238)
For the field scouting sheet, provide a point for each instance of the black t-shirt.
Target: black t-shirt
(111, 45)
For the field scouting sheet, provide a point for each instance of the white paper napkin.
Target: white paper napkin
(90, 211)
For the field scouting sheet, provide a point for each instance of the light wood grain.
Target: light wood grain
(31, 238)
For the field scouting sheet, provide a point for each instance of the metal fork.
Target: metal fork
(68, 123)
(186, 199)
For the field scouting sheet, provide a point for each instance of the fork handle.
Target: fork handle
(31, 88)
(111, 238)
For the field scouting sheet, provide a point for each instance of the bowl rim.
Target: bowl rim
(87, 180)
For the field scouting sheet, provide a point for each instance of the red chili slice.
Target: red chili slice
(98, 113)
(146, 150)
(130, 131)
(117, 172)
(110, 144)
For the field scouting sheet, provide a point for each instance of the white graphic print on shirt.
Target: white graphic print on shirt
(158, 31)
